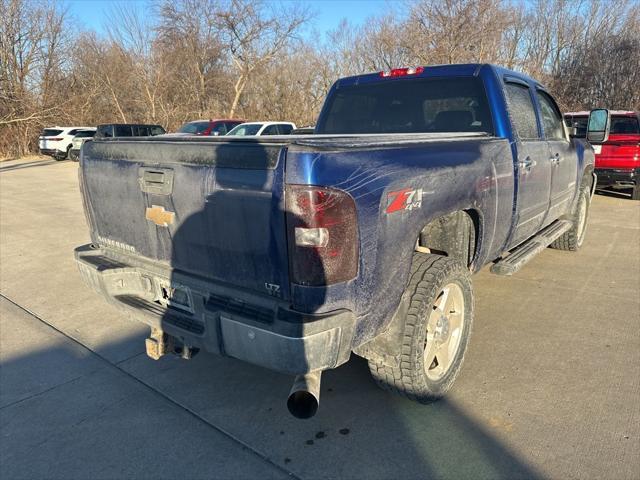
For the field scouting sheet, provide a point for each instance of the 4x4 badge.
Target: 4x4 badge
(160, 216)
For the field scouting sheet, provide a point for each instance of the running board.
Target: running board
(522, 254)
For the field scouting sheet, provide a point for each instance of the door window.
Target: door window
(285, 128)
(521, 111)
(122, 131)
(270, 130)
(105, 131)
(551, 117)
(140, 131)
(220, 129)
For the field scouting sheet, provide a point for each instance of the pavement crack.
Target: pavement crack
(47, 390)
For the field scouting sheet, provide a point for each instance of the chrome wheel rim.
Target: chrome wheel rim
(444, 331)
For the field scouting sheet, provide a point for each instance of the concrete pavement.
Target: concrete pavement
(550, 387)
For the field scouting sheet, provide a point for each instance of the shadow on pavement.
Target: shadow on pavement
(66, 414)
(37, 163)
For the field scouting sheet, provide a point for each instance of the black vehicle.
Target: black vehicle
(128, 130)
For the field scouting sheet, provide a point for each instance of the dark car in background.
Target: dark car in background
(128, 130)
(618, 157)
(209, 127)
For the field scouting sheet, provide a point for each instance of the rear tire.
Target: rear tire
(63, 156)
(573, 239)
(436, 330)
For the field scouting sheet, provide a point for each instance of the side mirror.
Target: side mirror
(598, 126)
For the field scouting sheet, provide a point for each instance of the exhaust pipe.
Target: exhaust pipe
(304, 398)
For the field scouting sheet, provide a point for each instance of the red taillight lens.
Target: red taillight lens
(323, 235)
(57, 139)
(402, 72)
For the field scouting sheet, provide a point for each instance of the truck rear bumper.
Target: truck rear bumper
(617, 178)
(218, 319)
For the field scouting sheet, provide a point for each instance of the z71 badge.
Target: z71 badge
(406, 199)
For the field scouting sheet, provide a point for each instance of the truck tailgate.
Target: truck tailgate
(213, 209)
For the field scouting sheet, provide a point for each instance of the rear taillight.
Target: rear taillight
(56, 139)
(401, 72)
(322, 234)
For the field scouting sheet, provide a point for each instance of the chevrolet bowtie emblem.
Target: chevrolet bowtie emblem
(160, 216)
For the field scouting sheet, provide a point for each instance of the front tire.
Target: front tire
(436, 331)
(573, 239)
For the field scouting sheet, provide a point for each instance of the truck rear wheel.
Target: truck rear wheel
(572, 239)
(436, 331)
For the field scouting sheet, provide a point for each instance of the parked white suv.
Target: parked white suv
(262, 128)
(80, 139)
(56, 141)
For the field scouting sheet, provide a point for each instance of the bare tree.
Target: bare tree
(31, 35)
(255, 36)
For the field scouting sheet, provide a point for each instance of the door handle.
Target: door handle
(556, 159)
(527, 164)
(156, 180)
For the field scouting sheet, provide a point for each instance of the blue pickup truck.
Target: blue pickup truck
(293, 252)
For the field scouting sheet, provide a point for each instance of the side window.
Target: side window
(104, 131)
(270, 130)
(157, 130)
(73, 132)
(220, 128)
(285, 129)
(122, 131)
(521, 111)
(551, 117)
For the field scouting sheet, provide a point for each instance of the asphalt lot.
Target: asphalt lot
(550, 388)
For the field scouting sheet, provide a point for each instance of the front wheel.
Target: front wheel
(436, 331)
(573, 238)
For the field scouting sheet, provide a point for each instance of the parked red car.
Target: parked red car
(617, 159)
(209, 127)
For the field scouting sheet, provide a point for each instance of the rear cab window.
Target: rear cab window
(418, 105)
